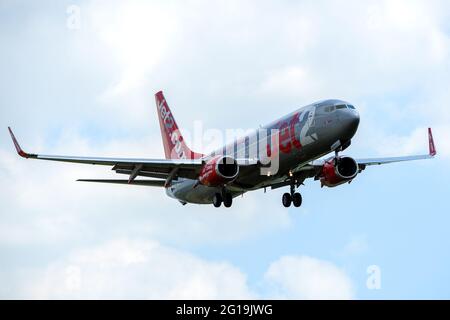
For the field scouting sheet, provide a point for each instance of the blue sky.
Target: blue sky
(89, 90)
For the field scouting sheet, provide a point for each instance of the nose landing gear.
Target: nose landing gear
(292, 198)
(297, 200)
(287, 200)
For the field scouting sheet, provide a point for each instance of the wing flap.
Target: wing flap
(130, 162)
(379, 161)
(148, 183)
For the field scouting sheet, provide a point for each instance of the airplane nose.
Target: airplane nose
(350, 122)
(354, 118)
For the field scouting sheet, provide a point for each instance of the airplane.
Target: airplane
(303, 138)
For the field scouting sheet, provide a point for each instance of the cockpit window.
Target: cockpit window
(351, 107)
(329, 109)
(341, 106)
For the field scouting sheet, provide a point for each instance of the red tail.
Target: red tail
(174, 145)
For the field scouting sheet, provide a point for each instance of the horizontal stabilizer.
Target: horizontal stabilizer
(148, 183)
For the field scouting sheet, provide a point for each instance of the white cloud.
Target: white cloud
(369, 48)
(414, 143)
(136, 269)
(294, 81)
(243, 62)
(137, 34)
(441, 136)
(303, 277)
(144, 269)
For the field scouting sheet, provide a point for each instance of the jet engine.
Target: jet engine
(219, 171)
(337, 171)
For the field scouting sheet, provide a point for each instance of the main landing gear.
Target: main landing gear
(224, 197)
(292, 198)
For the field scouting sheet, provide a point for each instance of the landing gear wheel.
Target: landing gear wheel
(287, 200)
(297, 199)
(217, 200)
(227, 200)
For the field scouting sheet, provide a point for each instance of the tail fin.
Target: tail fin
(173, 141)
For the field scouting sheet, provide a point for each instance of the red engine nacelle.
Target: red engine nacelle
(219, 171)
(337, 171)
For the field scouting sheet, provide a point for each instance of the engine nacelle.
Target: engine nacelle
(337, 171)
(219, 171)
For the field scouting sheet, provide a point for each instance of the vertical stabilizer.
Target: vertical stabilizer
(173, 141)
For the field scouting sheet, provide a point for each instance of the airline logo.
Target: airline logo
(175, 140)
(166, 115)
(288, 139)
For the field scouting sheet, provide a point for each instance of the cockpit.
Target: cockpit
(329, 109)
(336, 114)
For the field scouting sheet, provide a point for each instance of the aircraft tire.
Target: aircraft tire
(228, 200)
(287, 200)
(297, 200)
(217, 200)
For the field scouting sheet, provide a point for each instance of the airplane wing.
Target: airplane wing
(363, 163)
(378, 161)
(147, 183)
(156, 168)
(165, 169)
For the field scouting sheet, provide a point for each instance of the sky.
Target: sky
(79, 77)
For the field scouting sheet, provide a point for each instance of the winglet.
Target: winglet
(21, 153)
(431, 143)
